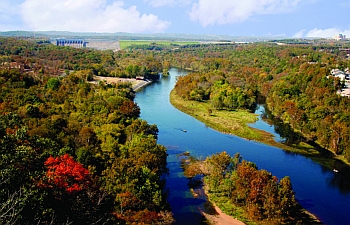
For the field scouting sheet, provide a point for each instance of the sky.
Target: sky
(272, 18)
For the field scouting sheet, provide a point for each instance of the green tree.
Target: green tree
(53, 84)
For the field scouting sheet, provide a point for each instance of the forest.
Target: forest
(293, 80)
(73, 152)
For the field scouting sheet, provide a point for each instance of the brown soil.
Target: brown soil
(213, 213)
(220, 218)
(136, 84)
(110, 80)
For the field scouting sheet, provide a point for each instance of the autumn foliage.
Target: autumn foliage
(96, 126)
(236, 183)
(64, 172)
(71, 149)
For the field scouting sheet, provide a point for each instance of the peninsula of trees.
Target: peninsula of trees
(243, 191)
(294, 80)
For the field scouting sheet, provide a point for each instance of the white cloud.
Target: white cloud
(88, 16)
(300, 33)
(209, 12)
(326, 33)
(321, 33)
(159, 3)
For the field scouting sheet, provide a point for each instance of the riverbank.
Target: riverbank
(319, 190)
(220, 218)
(235, 123)
(214, 215)
(140, 84)
(136, 84)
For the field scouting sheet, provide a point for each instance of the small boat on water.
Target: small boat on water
(183, 130)
(335, 171)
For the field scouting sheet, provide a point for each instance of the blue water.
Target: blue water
(262, 125)
(321, 191)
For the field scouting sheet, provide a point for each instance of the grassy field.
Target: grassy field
(126, 43)
(236, 123)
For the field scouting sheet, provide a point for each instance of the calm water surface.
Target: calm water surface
(318, 189)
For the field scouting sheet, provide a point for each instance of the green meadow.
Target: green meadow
(126, 43)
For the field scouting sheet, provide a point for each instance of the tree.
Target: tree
(87, 137)
(286, 197)
(53, 84)
(129, 109)
(63, 172)
(245, 174)
(217, 166)
(11, 206)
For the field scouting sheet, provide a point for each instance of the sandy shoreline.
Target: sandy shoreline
(221, 218)
(218, 217)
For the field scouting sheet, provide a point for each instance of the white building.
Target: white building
(339, 37)
(339, 73)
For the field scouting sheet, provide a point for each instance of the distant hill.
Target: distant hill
(132, 36)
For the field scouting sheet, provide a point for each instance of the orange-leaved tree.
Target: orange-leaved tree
(64, 172)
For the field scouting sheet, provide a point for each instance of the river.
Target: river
(318, 189)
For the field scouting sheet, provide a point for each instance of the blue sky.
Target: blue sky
(288, 18)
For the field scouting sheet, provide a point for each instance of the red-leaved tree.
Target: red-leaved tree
(64, 172)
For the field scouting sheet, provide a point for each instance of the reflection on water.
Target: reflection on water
(282, 132)
(285, 134)
(183, 204)
(264, 124)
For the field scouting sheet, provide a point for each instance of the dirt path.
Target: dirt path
(221, 218)
(211, 211)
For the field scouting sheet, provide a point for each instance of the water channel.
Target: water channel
(320, 190)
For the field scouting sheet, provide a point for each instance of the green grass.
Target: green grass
(230, 209)
(126, 43)
(232, 122)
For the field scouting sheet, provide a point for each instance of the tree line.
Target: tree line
(292, 79)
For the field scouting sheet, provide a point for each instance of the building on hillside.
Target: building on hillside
(340, 74)
(76, 43)
(339, 37)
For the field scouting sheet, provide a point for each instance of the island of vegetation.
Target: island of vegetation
(244, 192)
